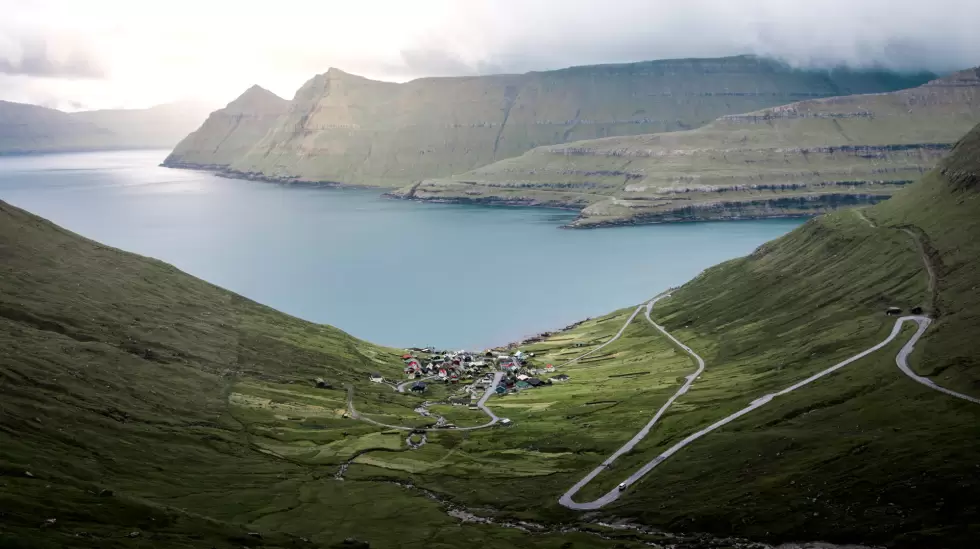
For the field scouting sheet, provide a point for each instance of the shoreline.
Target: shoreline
(394, 194)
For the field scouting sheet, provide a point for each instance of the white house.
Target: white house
(376, 377)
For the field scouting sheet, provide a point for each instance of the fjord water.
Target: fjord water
(393, 272)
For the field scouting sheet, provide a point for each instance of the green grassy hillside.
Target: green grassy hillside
(800, 159)
(136, 411)
(143, 407)
(865, 454)
(346, 129)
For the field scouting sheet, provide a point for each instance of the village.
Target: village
(472, 373)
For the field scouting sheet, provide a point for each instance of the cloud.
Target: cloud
(517, 36)
(124, 52)
(39, 57)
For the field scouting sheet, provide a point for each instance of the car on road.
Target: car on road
(622, 486)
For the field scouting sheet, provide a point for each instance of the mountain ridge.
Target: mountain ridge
(27, 128)
(350, 130)
(798, 159)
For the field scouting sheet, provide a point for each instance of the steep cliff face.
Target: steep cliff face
(347, 129)
(229, 133)
(865, 146)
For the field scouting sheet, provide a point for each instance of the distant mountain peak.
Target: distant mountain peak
(256, 98)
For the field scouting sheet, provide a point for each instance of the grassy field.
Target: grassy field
(805, 158)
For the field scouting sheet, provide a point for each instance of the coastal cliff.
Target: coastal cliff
(345, 129)
(798, 159)
(230, 132)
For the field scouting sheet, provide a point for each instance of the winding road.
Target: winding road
(566, 498)
(901, 360)
(401, 386)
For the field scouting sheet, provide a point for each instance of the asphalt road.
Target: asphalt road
(618, 334)
(401, 386)
(901, 360)
(566, 498)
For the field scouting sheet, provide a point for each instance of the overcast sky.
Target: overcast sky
(123, 53)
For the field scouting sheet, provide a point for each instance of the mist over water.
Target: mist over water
(393, 272)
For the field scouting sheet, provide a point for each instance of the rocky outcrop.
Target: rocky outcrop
(344, 128)
(229, 133)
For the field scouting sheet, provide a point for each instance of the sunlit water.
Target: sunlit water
(394, 272)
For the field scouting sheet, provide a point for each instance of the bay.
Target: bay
(393, 272)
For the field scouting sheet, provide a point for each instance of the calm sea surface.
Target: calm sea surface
(397, 273)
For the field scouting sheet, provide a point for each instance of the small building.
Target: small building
(916, 310)
(523, 377)
(535, 382)
(893, 311)
(377, 378)
(505, 422)
(549, 368)
(501, 389)
(418, 387)
(560, 377)
(523, 385)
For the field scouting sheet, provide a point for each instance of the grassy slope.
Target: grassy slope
(347, 129)
(862, 455)
(121, 373)
(755, 164)
(865, 454)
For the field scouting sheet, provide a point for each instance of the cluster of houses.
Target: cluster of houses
(451, 367)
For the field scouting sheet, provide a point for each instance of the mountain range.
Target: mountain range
(28, 128)
(345, 129)
(803, 158)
